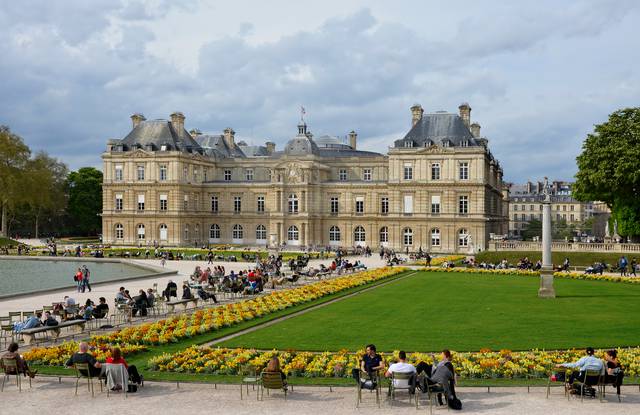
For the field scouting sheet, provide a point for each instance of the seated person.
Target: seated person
(12, 353)
(70, 306)
(83, 356)
(151, 298)
(588, 362)
(274, 367)
(370, 364)
(116, 358)
(87, 310)
(140, 304)
(441, 372)
(204, 295)
(121, 298)
(30, 323)
(102, 309)
(49, 320)
(171, 290)
(614, 373)
(401, 366)
(186, 292)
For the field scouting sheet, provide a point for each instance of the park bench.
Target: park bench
(29, 335)
(171, 305)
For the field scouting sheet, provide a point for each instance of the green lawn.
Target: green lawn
(576, 258)
(464, 312)
(6, 241)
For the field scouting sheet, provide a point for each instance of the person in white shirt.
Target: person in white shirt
(589, 362)
(402, 367)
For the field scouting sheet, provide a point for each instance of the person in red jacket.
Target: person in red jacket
(116, 357)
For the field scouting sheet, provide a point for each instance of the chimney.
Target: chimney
(475, 130)
(177, 120)
(465, 113)
(137, 118)
(416, 114)
(271, 147)
(229, 137)
(195, 132)
(353, 138)
(529, 188)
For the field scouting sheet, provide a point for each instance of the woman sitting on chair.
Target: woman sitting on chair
(116, 358)
(274, 366)
(12, 354)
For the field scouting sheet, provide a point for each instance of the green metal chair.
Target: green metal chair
(402, 376)
(85, 367)
(272, 380)
(549, 382)
(592, 377)
(375, 378)
(432, 393)
(251, 378)
(10, 367)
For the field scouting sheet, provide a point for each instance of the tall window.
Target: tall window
(261, 232)
(342, 175)
(366, 175)
(164, 203)
(237, 232)
(163, 173)
(237, 204)
(227, 175)
(214, 204)
(407, 236)
(214, 231)
(334, 234)
(463, 205)
(293, 203)
(164, 232)
(292, 233)
(186, 232)
(141, 232)
(248, 174)
(359, 205)
(140, 202)
(119, 203)
(408, 172)
(196, 232)
(118, 173)
(408, 204)
(185, 203)
(384, 234)
(359, 234)
(463, 169)
(185, 173)
(435, 237)
(195, 175)
(334, 205)
(463, 237)
(435, 171)
(196, 202)
(140, 171)
(435, 204)
(119, 231)
(384, 205)
(260, 204)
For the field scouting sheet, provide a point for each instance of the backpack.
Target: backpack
(454, 403)
(132, 388)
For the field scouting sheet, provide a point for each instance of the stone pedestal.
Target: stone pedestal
(546, 284)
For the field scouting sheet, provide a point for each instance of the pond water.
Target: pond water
(20, 276)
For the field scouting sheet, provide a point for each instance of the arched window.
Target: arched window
(261, 232)
(164, 231)
(237, 232)
(384, 234)
(407, 236)
(186, 232)
(435, 237)
(359, 234)
(292, 233)
(119, 231)
(141, 232)
(293, 203)
(334, 234)
(214, 231)
(463, 237)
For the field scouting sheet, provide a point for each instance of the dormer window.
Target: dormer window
(464, 143)
(163, 147)
(445, 143)
(408, 144)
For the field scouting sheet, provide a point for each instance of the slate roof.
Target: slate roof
(216, 146)
(159, 133)
(436, 129)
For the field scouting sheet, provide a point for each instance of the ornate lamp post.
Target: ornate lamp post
(546, 273)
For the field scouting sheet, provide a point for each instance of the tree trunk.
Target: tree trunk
(37, 217)
(3, 224)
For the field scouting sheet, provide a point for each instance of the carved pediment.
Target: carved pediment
(433, 149)
(138, 153)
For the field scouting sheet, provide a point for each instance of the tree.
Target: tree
(560, 229)
(84, 188)
(534, 228)
(609, 169)
(14, 154)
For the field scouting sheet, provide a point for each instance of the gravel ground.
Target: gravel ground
(49, 396)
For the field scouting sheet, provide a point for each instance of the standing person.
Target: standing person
(210, 257)
(622, 264)
(634, 265)
(85, 278)
(78, 279)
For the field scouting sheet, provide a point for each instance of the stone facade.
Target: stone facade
(438, 188)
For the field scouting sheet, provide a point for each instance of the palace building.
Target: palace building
(438, 188)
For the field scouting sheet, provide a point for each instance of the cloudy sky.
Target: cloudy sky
(538, 75)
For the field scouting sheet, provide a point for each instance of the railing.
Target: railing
(563, 246)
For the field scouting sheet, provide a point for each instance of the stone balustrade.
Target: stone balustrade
(564, 246)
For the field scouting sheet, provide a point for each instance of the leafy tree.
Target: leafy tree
(560, 229)
(534, 228)
(14, 155)
(84, 189)
(609, 169)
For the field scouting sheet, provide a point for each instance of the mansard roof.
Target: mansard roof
(158, 135)
(216, 145)
(439, 128)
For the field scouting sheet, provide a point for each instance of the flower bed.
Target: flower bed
(471, 365)
(439, 260)
(173, 329)
(58, 355)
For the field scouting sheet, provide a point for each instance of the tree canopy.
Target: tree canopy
(85, 200)
(609, 168)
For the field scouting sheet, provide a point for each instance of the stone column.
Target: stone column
(546, 273)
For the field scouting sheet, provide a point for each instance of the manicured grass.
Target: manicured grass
(579, 259)
(7, 241)
(464, 312)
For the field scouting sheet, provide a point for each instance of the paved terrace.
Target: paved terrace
(49, 396)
